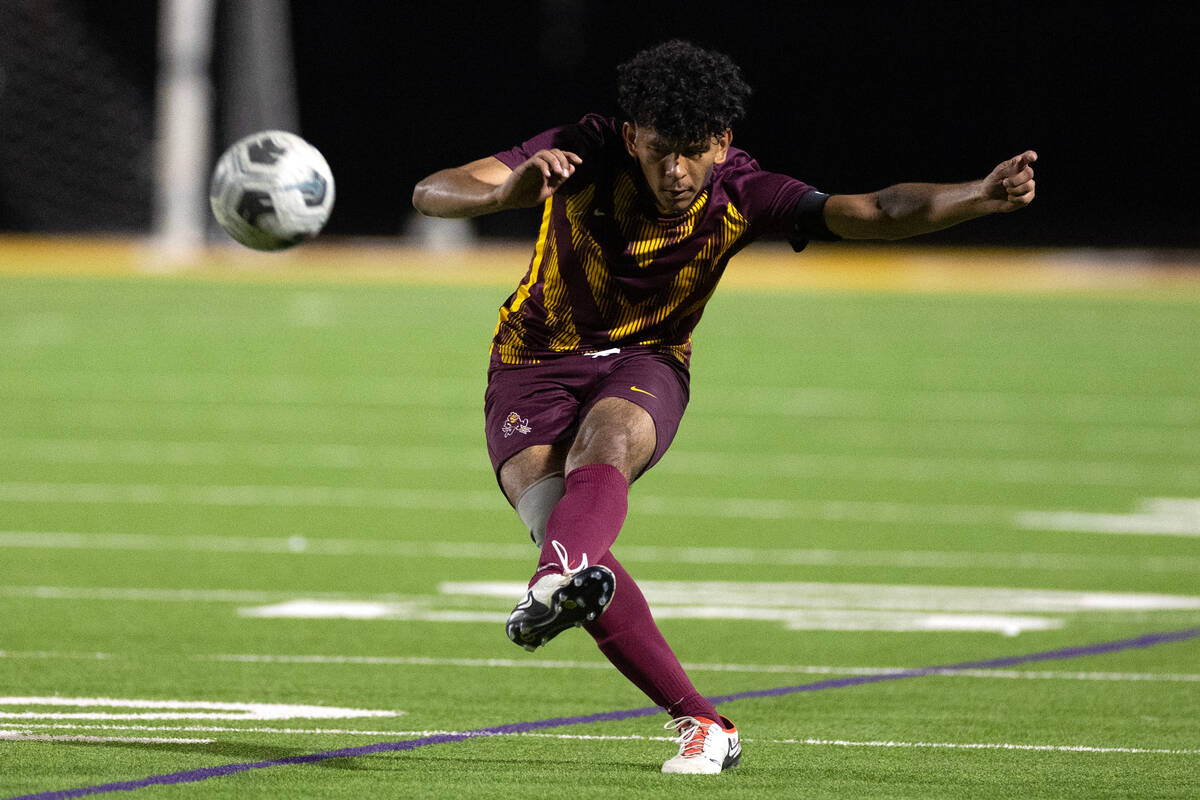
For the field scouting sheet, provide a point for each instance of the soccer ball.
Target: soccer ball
(271, 190)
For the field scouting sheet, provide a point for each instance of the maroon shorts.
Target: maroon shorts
(544, 403)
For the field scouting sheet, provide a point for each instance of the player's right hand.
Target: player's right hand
(538, 178)
(1010, 186)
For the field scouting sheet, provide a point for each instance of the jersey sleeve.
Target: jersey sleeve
(777, 205)
(584, 138)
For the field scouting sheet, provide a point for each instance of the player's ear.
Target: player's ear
(723, 142)
(629, 134)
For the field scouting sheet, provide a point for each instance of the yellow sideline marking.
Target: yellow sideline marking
(360, 262)
(842, 266)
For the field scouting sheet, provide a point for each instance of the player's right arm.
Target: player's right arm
(488, 185)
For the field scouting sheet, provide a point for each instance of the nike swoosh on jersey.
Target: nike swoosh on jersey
(642, 391)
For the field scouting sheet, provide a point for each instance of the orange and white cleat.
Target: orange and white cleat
(705, 747)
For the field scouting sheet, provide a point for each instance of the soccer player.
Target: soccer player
(588, 376)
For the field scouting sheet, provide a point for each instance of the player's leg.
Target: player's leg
(626, 438)
(629, 638)
(557, 598)
(614, 443)
(569, 586)
(531, 415)
(626, 633)
(532, 480)
(629, 418)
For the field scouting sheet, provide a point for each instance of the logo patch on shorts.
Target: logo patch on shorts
(515, 424)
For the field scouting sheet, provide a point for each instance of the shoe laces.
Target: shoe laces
(692, 735)
(561, 552)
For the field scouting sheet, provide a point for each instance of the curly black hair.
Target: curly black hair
(686, 93)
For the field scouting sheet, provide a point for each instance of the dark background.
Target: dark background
(849, 97)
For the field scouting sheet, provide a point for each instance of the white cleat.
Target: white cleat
(705, 747)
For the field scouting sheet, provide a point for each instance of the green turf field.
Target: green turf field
(247, 522)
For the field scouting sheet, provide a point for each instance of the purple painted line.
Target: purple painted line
(205, 773)
(1138, 642)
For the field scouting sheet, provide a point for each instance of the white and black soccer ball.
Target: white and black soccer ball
(271, 190)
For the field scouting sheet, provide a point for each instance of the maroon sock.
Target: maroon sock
(629, 638)
(587, 519)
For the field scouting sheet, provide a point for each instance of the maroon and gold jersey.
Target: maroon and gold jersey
(608, 271)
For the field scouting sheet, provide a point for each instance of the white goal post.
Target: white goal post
(258, 91)
(183, 127)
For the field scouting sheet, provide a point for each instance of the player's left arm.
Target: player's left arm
(910, 209)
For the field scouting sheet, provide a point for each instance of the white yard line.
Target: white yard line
(791, 618)
(250, 496)
(479, 500)
(869, 467)
(27, 735)
(810, 669)
(1154, 516)
(144, 595)
(744, 594)
(1075, 408)
(527, 664)
(1168, 517)
(788, 595)
(24, 736)
(209, 728)
(517, 551)
(214, 729)
(792, 605)
(217, 387)
(241, 453)
(930, 469)
(182, 389)
(19, 735)
(139, 709)
(1060, 748)
(149, 595)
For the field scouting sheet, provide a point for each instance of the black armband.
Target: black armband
(808, 221)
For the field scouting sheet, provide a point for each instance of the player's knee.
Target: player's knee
(615, 432)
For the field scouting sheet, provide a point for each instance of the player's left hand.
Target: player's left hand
(1010, 186)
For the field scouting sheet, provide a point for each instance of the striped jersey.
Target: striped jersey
(609, 271)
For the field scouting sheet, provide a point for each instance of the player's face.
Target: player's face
(674, 171)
